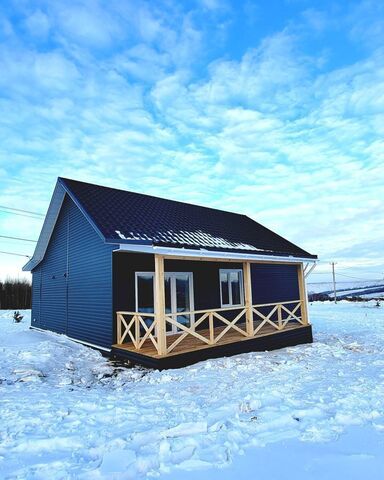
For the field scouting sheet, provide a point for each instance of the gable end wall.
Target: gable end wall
(72, 286)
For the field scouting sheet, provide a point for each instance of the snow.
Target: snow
(379, 296)
(310, 411)
(342, 287)
(197, 238)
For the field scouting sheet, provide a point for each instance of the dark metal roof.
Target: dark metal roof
(128, 217)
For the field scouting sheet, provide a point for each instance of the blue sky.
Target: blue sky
(269, 108)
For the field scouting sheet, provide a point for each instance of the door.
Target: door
(178, 299)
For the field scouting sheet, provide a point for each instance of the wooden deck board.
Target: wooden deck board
(191, 343)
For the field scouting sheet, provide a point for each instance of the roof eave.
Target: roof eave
(212, 254)
(50, 220)
(47, 228)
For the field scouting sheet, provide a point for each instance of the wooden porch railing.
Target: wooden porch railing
(247, 321)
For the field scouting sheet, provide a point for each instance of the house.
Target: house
(164, 283)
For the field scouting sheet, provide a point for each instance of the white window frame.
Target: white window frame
(227, 271)
(173, 296)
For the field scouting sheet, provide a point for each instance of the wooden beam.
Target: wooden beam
(248, 298)
(228, 260)
(303, 294)
(159, 306)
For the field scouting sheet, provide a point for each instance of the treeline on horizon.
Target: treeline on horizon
(15, 294)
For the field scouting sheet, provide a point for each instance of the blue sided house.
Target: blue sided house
(164, 283)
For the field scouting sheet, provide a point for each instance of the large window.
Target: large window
(231, 288)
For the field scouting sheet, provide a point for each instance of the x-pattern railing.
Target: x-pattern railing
(132, 326)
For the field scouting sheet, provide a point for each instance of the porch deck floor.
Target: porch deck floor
(191, 343)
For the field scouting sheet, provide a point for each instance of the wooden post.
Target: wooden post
(118, 339)
(279, 317)
(137, 331)
(248, 298)
(303, 294)
(211, 329)
(159, 306)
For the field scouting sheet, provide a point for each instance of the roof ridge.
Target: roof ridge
(154, 196)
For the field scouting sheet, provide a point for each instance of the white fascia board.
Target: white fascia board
(184, 252)
(47, 228)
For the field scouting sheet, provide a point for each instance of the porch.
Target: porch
(132, 326)
(167, 337)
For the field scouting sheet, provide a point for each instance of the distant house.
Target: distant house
(164, 283)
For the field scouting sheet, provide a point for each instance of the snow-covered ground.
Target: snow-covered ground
(319, 287)
(311, 411)
(348, 288)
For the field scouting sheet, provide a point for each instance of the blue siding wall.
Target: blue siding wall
(36, 294)
(76, 281)
(90, 316)
(274, 283)
(53, 307)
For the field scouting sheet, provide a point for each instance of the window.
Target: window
(144, 295)
(144, 292)
(231, 288)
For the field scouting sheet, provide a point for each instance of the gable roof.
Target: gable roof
(124, 217)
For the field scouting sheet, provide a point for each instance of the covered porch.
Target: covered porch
(174, 333)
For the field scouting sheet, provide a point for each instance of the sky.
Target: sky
(269, 108)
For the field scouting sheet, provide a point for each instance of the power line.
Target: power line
(350, 281)
(18, 238)
(350, 276)
(20, 210)
(358, 278)
(17, 254)
(357, 266)
(364, 272)
(21, 214)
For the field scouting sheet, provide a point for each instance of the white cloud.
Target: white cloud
(273, 134)
(316, 19)
(6, 29)
(365, 23)
(27, 72)
(88, 23)
(38, 24)
(301, 162)
(211, 4)
(52, 70)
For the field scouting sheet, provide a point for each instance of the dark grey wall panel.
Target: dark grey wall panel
(206, 285)
(274, 283)
(270, 283)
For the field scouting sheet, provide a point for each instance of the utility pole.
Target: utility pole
(334, 281)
